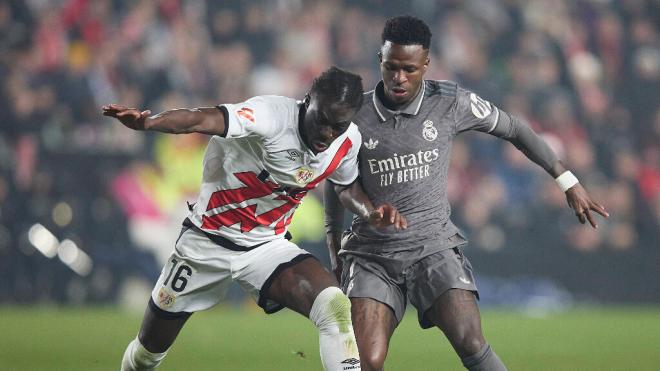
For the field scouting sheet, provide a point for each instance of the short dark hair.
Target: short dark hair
(406, 30)
(340, 85)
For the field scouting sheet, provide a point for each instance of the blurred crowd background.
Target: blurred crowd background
(89, 209)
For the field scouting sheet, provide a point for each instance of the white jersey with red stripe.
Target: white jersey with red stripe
(256, 176)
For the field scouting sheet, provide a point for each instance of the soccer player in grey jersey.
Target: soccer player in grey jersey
(407, 125)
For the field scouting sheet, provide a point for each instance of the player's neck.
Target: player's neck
(301, 125)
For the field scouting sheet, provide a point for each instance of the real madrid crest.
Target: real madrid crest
(304, 175)
(429, 132)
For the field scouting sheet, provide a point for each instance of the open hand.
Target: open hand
(580, 201)
(385, 215)
(130, 117)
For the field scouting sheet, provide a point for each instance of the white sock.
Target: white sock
(331, 313)
(137, 358)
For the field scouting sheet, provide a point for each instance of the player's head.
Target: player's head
(333, 100)
(404, 57)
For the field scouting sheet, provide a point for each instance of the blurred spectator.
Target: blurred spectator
(585, 74)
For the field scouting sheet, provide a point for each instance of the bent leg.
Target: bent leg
(157, 333)
(309, 289)
(374, 324)
(456, 313)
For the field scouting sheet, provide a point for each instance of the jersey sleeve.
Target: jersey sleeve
(347, 171)
(257, 116)
(474, 113)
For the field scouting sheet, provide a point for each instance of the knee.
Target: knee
(470, 345)
(468, 342)
(467, 338)
(331, 306)
(372, 359)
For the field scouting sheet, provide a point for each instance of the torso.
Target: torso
(252, 184)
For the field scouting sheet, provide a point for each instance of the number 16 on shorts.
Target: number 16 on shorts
(177, 283)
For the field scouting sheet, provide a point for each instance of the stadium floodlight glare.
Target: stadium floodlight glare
(74, 258)
(43, 240)
(69, 253)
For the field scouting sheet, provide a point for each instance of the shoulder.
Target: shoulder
(275, 109)
(274, 102)
(440, 88)
(352, 140)
(353, 133)
(367, 111)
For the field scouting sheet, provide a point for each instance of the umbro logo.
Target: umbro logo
(293, 155)
(352, 362)
(371, 144)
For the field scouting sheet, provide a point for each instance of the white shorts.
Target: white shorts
(199, 272)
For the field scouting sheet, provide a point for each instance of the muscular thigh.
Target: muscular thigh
(454, 306)
(297, 286)
(373, 279)
(373, 321)
(456, 313)
(434, 275)
(277, 271)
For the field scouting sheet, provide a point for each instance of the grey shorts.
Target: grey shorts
(421, 281)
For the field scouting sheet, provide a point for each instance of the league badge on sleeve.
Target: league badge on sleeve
(246, 115)
(480, 107)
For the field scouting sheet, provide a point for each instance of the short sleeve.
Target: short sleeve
(474, 113)
(347, 171)
(257, 116)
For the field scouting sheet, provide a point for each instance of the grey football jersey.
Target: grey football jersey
(404, 161)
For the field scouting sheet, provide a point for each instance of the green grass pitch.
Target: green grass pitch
(621, 338)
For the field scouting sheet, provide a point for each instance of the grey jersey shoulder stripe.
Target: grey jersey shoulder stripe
(440, 87)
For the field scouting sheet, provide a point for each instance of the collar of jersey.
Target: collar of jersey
(411, 108)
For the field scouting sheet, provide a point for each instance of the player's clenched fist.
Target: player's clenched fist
(130, 117)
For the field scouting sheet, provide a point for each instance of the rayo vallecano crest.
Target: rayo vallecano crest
(304, 175)
(429, 132)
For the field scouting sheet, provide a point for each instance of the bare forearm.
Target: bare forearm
(208, 120)
(333, 209)
(333, 240)
(354, 199)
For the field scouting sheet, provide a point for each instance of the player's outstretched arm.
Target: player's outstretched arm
(354, 199)
(537, 150)
(207, 120)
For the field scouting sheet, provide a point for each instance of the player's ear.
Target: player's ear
(427, 60)
(306, 100)
(380, 56)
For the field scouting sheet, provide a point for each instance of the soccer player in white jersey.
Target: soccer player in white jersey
(264, 155)
(408, 124)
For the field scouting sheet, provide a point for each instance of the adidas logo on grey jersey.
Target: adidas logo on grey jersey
(371, 144)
